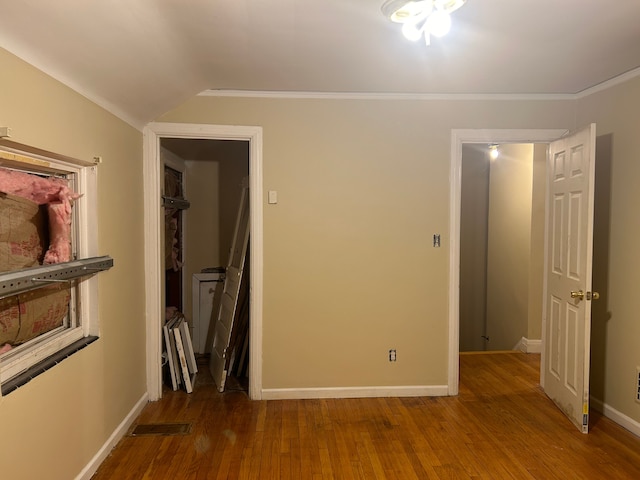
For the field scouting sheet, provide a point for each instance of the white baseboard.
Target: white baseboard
(528, 345)
(616, 416)
(354, 392)
(91, 468)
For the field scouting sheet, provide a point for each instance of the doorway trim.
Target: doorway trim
(458, 137)
(152, 134)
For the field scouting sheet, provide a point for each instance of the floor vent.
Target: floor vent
(161, 429)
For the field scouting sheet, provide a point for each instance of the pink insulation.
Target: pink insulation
(5, 348)
(59, 233)
(56, 194)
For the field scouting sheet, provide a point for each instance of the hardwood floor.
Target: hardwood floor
(501, 426)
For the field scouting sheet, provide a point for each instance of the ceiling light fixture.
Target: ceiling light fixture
(418, 18)
(493, 152)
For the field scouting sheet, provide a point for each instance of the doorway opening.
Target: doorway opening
(568, 261)
(458, 139)
(198, 244)
(502, 246)
(244, 144)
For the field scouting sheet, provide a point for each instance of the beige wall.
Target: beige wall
(517, 193)
(213, 189)
(615, 322)
(203, 224)
(509, 245)
(363, 187)
(349, 266)
(53, 426)
(474, 214)
(234, 167)
(536, 258)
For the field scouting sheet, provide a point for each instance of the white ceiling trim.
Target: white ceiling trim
(617, 80)
(423, 96)
(385, 96)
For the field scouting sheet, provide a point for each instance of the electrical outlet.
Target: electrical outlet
(638, 384)
(392, 355)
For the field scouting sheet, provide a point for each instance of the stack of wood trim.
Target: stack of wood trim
(179, 353)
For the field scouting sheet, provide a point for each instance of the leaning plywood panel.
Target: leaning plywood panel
(171, 353)
(218, 363)
(188, 379)
(188, 347)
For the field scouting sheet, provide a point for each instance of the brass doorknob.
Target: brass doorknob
(580, 295)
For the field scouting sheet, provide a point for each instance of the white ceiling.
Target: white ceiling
(140, 58)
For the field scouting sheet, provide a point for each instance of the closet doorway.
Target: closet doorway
(214, 161)
(213, 172)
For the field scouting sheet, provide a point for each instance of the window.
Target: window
(54, 299)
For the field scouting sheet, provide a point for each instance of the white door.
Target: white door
(569, 243)
(218, 363)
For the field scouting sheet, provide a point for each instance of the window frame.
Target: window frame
(84, 245)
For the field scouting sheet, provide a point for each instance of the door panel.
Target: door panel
(553, 342)
(219, 361)
(567, 326)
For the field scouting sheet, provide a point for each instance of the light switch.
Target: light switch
(273, 197)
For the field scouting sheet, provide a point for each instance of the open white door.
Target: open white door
(226, 314)
(569, 244)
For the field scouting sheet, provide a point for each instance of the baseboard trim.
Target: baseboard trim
(354, 392)
(614, 415)
(528, 345)
(92, 467)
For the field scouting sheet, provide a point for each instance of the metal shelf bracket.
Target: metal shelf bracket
(19, 281)
(178, 203)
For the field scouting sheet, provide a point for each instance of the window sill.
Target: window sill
(41, 367)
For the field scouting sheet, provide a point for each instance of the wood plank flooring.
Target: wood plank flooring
(501, 426)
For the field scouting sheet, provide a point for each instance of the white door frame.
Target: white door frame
(153, 232)
(458, 137)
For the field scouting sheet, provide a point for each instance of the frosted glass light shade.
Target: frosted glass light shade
(411, 32)
(439, 23)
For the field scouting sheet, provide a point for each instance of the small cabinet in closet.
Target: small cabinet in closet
(205, 289)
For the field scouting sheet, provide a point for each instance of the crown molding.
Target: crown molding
(612, 82)
(383, 96)
(617, 80)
